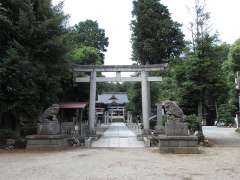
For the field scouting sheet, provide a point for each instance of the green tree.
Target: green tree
(155, 36)
(231, 67)
(85, 55)
(86, 44)
(135, 98)
(156, 39)
(167, 88)
(32, 65)
(4, 21)
(227, 113)
(88, 33)
(201, 79)
(234, 56)
(200, 26)
(199, 75)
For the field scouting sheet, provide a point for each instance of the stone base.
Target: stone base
(178, 144)
(139, 137)
(179, 150)
(88, 142)
(176, 128)
(48, 142)
(147, 142)
(48, 128)
(159, 130)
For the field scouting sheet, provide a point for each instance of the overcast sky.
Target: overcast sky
(115, 16)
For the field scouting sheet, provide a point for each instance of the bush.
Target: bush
(238, 130)
(194, 123)
(28, 131)
(226, 114)
(6, 134)
(20, 143)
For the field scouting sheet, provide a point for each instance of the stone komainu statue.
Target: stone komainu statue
(48, 122)
(173, 111)
(50, 114)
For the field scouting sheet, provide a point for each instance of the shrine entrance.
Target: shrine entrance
(117, 113)
(142, 75)
(114, 105)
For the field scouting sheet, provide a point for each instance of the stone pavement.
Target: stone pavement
(221, 136)
(118, 135)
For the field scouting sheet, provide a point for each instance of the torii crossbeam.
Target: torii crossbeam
(143, 71)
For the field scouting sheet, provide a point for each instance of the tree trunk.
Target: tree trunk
(18, 124)
(217, 114)
(200, 110)
(0, 119)
(238, 111)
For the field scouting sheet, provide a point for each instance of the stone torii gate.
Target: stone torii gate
(142, 70)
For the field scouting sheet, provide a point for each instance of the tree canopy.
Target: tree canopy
(156, 38)
(32, 64)
(88, 34)
(85, 55)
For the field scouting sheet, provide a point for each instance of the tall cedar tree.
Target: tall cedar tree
(32, 65)
(200, 76)
(156, 37)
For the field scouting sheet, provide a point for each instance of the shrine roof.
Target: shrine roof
(73, 105)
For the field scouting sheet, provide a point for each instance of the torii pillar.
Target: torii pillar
(145, 100)
(144, 79)
(92, 104)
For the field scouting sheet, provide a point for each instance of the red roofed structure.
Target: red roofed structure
(73, 105)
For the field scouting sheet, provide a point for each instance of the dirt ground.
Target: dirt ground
(220, 163)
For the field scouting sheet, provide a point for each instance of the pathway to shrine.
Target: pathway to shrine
(118, 135)
(222, 136)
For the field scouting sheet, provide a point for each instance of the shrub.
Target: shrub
(226, 113)
(6, 134)
(28, 131)
(20, 143)
(238, 130)
(194, 123)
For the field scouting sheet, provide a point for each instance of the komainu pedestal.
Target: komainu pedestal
(176, 139)
(46, 142)
(48, 132)
(48, 128)
(176, 128)
(178, 144)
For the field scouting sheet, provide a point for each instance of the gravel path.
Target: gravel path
(121, 164)
(221, 162)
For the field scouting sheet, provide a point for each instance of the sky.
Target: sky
(115, 17)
